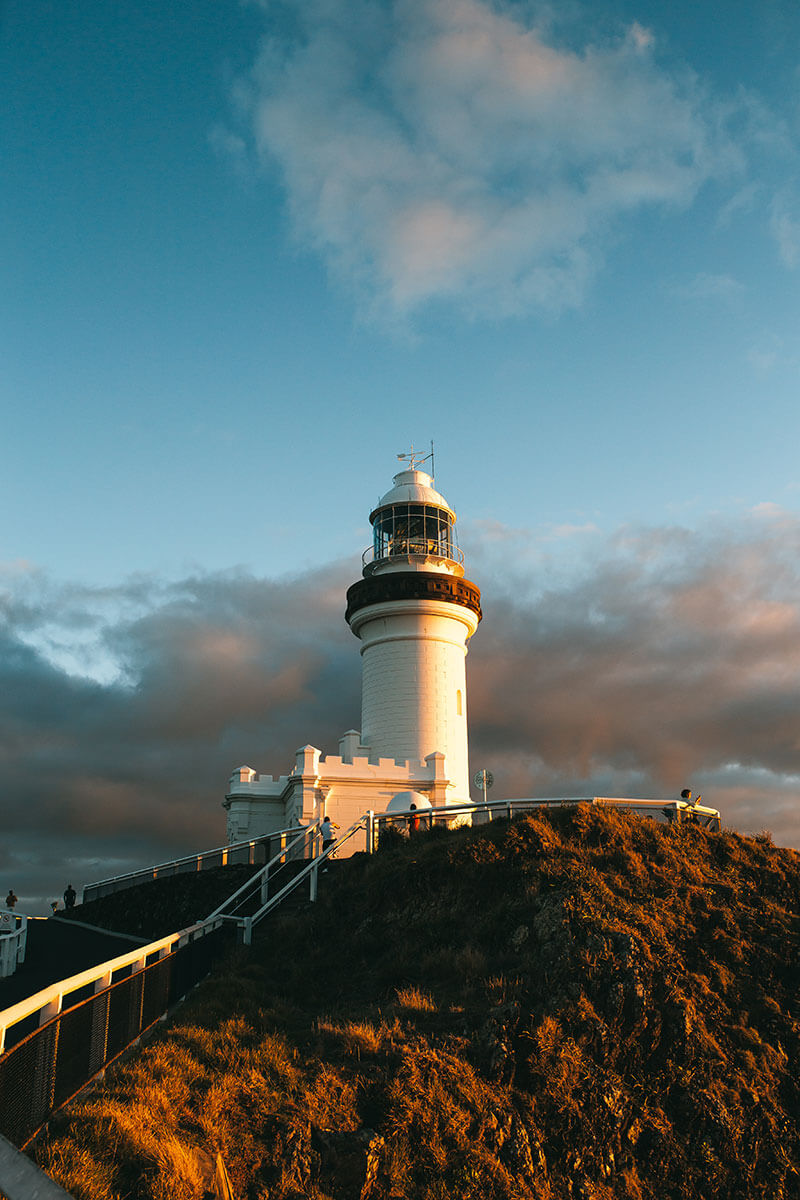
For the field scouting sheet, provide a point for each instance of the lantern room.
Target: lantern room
(413, 527)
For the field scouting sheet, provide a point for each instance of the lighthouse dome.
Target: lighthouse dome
(402, 801)
(413, 487)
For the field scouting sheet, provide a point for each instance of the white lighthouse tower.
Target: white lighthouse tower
(414, 612)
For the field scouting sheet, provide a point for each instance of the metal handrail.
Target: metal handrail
(260, 878)
(49, 1002)
(152, 872)
(310, 872)
(511, 807)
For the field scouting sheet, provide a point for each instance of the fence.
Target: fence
(49, 1050)
(257, 850)
(57, 1050)
(13, 940)
(670, 811)
(298, 862)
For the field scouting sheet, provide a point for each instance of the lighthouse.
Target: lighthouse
(413, 613)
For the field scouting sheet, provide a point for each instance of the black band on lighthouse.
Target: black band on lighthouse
(412, 585)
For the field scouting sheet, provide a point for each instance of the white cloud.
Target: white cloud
(785, 228)
(741, 203)
(229, 145)
(446, 149)
(706, 286)
(765, 354)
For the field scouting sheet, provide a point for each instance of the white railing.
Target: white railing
(221, 856)
(309, 872)
(672, 811)
(13, 940)
(255, 893)
(49, 1002)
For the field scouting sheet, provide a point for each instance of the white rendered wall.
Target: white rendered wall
(343, 787)
(414, 681)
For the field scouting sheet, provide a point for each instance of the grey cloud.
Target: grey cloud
(219, 670)
(658, 659)
(676, 659)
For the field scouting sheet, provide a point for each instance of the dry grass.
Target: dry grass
(415, 1000)
(575, 1005)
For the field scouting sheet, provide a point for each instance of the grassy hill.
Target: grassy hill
(580, 1004)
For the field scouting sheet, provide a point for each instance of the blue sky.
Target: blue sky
(251, 251)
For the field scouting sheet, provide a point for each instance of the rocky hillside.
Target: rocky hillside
(574, 1005)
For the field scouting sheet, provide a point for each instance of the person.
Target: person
(54, 906)
(690, 814)
(11, 899)
(326, 829)
(413, 822)
(69, 896)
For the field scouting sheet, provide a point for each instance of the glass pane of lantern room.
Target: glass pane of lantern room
(432, 531)
(382, 534)
(416, 529)
(399, 543)
(445, 535)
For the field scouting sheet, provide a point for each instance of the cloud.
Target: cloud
(672, 661)
(785, 228)
(229, 145)
(662, 658)
(208, 672)
(456, 150)
(767, 353)
(706, 286)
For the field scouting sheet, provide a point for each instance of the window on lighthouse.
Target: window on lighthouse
(413, 529)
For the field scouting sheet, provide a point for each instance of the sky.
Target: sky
(250, 252)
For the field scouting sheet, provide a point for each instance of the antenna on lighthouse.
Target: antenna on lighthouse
(415, 458)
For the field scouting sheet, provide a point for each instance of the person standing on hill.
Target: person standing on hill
(326, 829)
(690, 813)
(11, 899)
(69, 896)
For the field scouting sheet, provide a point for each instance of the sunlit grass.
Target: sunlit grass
(415, 1000)
(576, 1004)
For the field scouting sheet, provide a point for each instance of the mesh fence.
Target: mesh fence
(51, 1064)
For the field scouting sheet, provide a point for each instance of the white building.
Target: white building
(413, 613)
